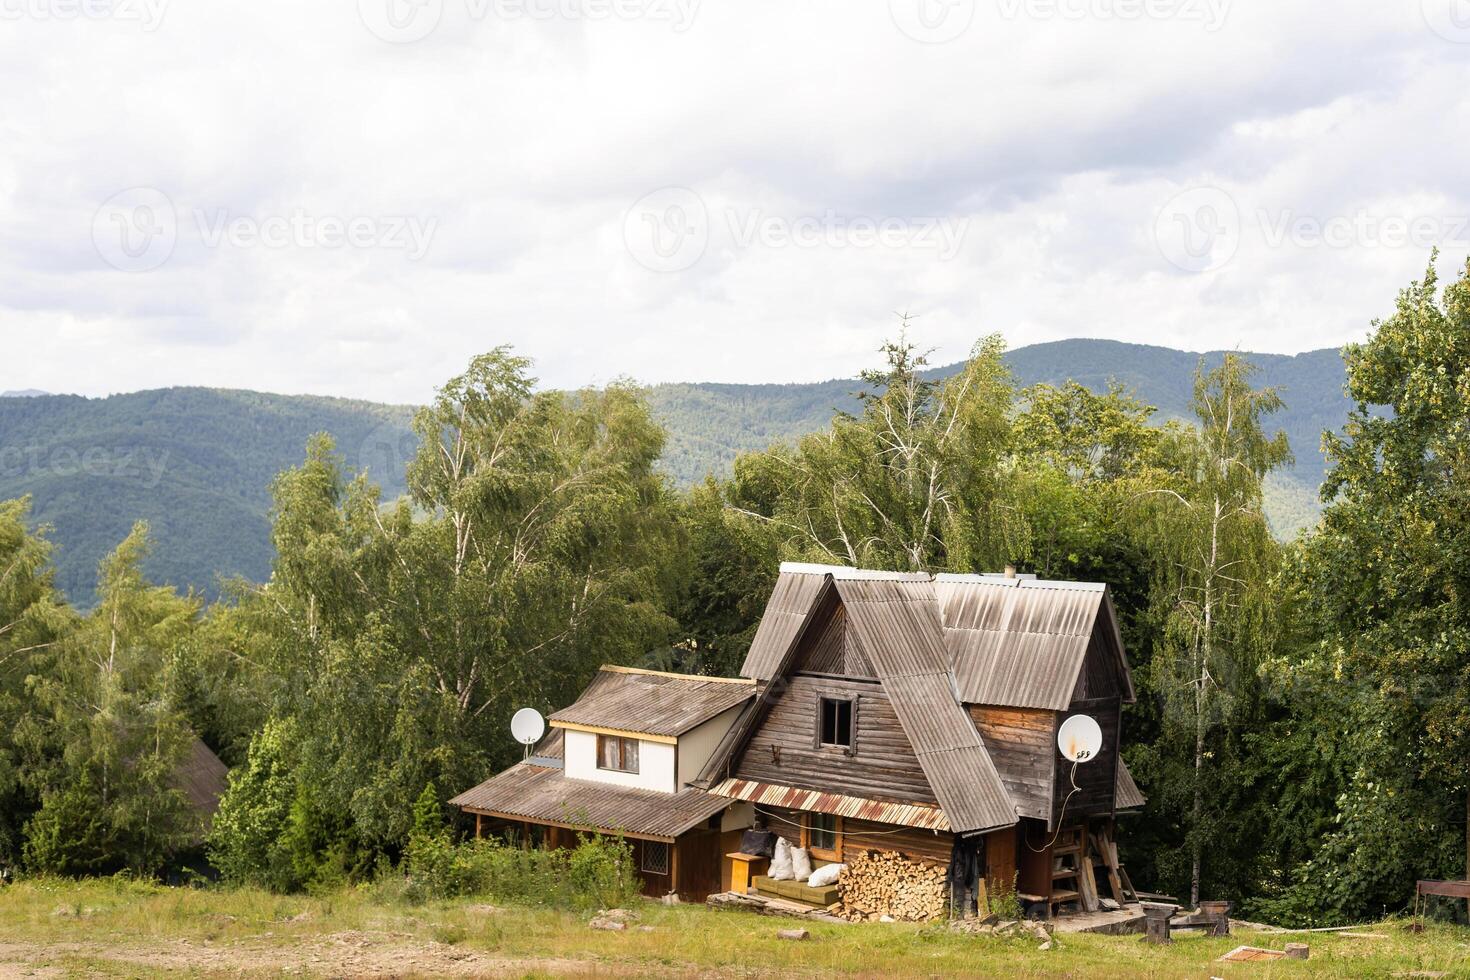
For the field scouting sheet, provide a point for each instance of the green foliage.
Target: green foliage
(197, 463)
(246, 839)
(597, 873)
(1383, 670)
(101, 733)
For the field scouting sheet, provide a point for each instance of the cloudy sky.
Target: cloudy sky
(352, 197)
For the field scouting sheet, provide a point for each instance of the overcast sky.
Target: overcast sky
(353, 197)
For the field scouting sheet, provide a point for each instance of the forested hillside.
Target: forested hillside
(197, 463)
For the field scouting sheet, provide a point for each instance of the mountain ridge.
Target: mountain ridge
(197, 462)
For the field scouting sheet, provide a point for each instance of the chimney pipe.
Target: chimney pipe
(1010, 571)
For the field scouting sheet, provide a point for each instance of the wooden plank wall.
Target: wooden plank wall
(830, 649)
(883, 765)
(1021, 742)
(927, 845)
(1096, 778)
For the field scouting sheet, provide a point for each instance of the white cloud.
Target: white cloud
(828, 151)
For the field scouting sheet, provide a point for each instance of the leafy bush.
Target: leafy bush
(597, 873)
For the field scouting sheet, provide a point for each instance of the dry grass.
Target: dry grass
(53, 928)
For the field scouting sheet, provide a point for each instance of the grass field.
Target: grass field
(118, 928)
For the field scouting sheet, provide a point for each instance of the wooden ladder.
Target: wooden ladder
(1067, 881)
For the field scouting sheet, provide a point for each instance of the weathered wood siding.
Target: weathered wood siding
(1101, 676)
(1095, 777)
(881, 766)
(1000, 861)
(830, 649)
(1021, 742)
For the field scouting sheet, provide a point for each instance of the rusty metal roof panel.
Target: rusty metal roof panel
(652, 702)
(541, 794)
(897, 624)
(796, 589)
(856, 807)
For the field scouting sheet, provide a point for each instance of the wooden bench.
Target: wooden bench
(1442, 889)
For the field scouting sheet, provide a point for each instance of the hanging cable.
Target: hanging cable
(1075, 789)
(845, 834)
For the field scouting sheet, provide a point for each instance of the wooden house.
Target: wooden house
(879, 713)
(620, 761)
(919, 714)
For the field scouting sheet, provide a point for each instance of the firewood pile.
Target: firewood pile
(885, 883)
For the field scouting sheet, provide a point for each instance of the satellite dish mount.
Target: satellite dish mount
(527, 726)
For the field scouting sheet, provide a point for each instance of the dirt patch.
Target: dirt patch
(352, 954)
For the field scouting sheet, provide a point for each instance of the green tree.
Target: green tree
(1214, 561)
(917, 481)
(1385, 688)
(534, 545)
(31, 617)
(103, 744)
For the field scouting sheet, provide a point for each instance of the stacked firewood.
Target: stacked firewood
(879, 883)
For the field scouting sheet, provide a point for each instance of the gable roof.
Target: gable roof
(897, 624)
(1017, 642)
(650, 702)
(1022, 642)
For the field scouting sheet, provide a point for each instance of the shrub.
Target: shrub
(597, 873)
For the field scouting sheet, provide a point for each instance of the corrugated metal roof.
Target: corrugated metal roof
(545, 795)
(1019, 642)
(897, 624)
(796, 589)
(793, 798)
(1126, 794)
(652, 702)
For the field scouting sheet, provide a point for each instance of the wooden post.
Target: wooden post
(1157, 915)
(674, 867)
(478, 818)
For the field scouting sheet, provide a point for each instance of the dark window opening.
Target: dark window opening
(655, 857)
(836, 722)
(822, 832)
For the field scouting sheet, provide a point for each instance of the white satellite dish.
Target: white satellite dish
(1080, 738)
(527, 726)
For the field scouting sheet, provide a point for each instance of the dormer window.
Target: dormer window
(617, 753)
(835, 723)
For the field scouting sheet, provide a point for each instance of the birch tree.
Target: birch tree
(916, 480)
(1214, 556)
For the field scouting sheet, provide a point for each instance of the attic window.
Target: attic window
(617, 754)
(836, 722)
